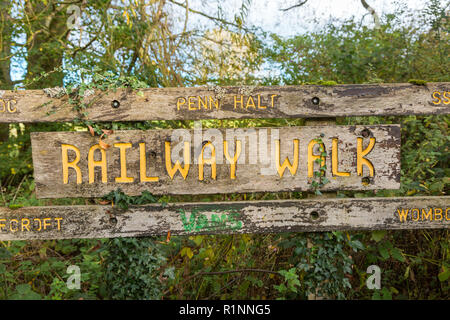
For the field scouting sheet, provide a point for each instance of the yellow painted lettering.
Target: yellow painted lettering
(46, 223)
(446, 214)
(143, 165)
(191, 103)
(11, 110)
(177, 167)
(25, 225)
(3, 105)
(213, 102)
(272, 97)
(259, 103)
(241, 101)
(447, 101)
(312, 157)
(2, 225)
(123, 163)
(438, 99)
(418, 214)
(360, 153)
(426, 215)
(335, 160)
(58, 223)
(251, 105)
(66, 164)
(211, 161)
(286, 163)
(403, 215)
(40, 224)
(233, 160)
(438, 211)
(92, 164)
(180, 102)
(11, 225)
(202, 103)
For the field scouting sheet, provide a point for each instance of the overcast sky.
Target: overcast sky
(267, 14)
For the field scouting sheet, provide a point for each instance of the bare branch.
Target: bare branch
(295, 6)
(371, 10)
(208, 16)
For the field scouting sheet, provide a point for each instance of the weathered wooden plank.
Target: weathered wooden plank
(140, 160)
(308, 101)
(59, 222)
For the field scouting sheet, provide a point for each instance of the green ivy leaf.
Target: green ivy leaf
(383, 252)
(378, 235)
(398, 255)
(24, 292)
(444, 275)
(186, 251)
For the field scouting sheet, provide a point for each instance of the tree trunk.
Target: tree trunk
(44, 43)
(5, 52)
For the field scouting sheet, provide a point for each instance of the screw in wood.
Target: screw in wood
(315, 101)
(115, 104)
(365, 181)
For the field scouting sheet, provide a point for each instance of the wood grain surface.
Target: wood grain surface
(306, 101)
(95, 221)
(255, 170)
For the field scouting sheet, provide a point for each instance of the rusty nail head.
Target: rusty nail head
(365, 133)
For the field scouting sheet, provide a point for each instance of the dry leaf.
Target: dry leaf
(91, 130)
(103, 144)
(108, 132)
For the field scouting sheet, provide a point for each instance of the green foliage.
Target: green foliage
(123, 201)
(15, 159)
(414, 264)
(134, 266)
(417, 82)
(42, 275)
(319, 180)
(322, 265)
(24, 292)
(425, 155)
(351, 53)
(221, 267)
(134, 269)
(292, 281)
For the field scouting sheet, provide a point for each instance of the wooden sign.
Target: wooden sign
(306, 101)
(75, 164)
(211, 161)
(60, 222)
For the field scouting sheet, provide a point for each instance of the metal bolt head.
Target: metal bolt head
(315, 101)
(115, 104)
